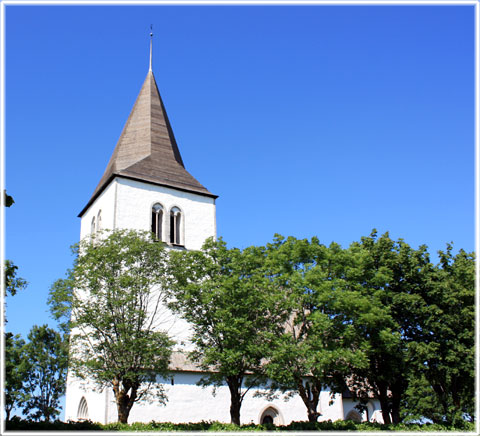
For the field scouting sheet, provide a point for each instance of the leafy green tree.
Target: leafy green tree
(225, 296)
(45, 362)
(442, 388)
(15, 372)
(115, 292)
(392, 276)
(316, 348)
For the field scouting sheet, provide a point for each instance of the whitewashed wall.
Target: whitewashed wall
(127, 204)
(188, 402)
(135, 201)
(373, 406)
(105, 203)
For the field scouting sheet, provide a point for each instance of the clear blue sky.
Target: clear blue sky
(305, 120)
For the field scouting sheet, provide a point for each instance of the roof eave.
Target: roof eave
(113, 176)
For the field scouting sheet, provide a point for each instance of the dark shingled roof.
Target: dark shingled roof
(147, 150)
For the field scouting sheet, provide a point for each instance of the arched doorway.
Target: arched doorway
(271, 415)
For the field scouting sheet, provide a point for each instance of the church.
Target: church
(146, 187)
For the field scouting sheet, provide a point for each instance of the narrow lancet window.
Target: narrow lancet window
(157, 218)
(82, 412)
(175, 226)
(99, 221)
(92, 227)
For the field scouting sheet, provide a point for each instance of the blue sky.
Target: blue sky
(305, 120)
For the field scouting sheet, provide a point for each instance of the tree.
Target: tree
(45, 363)
(392, 276)
(231, 308)
(315, 349)
(444, 350)
(15, 372)
(115, 291)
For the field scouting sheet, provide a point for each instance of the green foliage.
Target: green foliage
(390, 276)
(13, 283)
(377, 316)
(381, 316)
(22, 425)
(317, 346)
(443, 353)
(114, 293)
(15, 372)
(45, 358)
(231, 307)
(60, 301)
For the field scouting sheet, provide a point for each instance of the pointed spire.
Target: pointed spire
(151, 41)
(147, 150)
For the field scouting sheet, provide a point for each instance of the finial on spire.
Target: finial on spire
(151, 38)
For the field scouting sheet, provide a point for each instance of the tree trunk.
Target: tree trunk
(235, 385)
(309, 393)
(385, 414)
(7, 414)
(384, 404)
(398, 392)
(396, 413)
(123, 400)
(395, 406)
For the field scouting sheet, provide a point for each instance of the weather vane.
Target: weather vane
(151, 38)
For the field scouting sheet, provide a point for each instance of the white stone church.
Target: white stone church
(146, 187)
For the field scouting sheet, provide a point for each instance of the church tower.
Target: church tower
(146, 186)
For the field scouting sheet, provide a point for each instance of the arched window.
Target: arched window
(157, 219)
(92, 227)
(99, 221)
(82, 409)
(175, 226)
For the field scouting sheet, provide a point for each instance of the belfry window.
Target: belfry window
(175, 226)
(157, 218)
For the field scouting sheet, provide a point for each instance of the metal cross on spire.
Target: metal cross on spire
(151, 38)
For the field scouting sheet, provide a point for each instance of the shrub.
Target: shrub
(19, 424)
